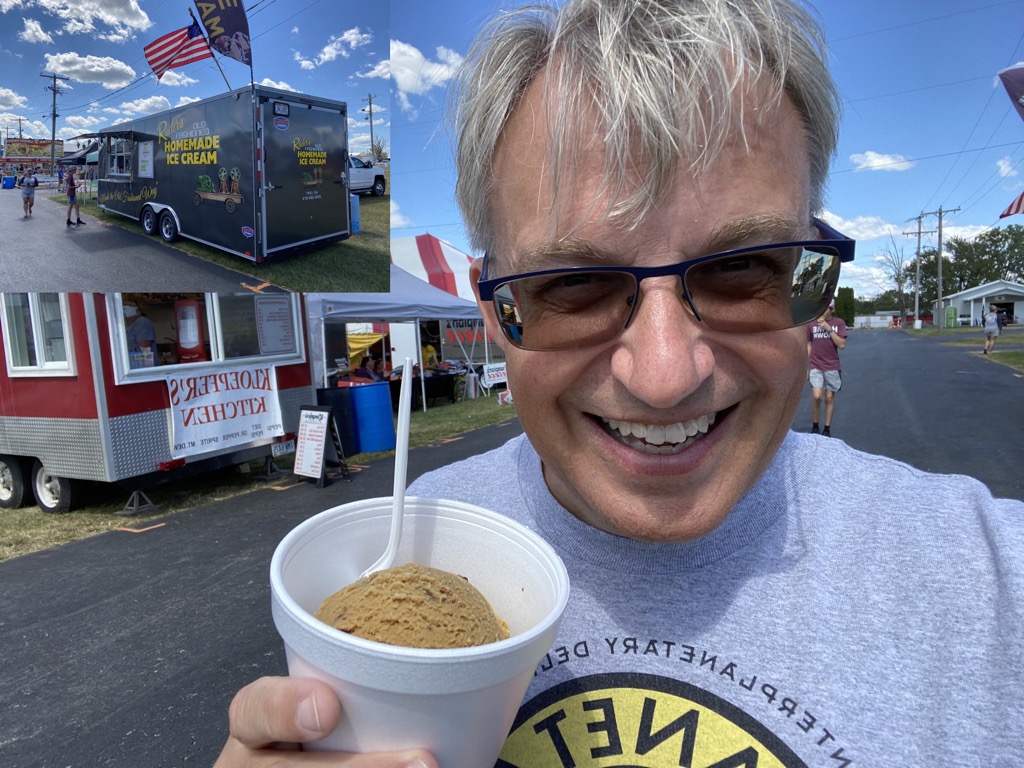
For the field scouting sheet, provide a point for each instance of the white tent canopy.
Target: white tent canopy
(408, 300)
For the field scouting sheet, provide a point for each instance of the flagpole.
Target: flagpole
(214, 57)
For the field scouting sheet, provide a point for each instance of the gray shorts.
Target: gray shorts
(830, 380)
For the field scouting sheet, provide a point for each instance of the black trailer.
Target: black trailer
(256, 171)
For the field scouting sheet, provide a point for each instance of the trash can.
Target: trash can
(355, 213)
(8, 182)
(340, 401)
(472, 386)
(375, 421)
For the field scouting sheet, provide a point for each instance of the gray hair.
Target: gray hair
(667, 78)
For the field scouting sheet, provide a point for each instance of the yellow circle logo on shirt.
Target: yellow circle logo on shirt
(638, 721)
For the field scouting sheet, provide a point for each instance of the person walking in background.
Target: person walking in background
(60, 177)
(991, 328)
(72, 189)
(825, 337)
(28, 185)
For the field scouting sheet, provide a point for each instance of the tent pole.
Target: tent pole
(423, 373)
(323, 346)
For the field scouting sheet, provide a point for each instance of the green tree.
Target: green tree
(846, 305)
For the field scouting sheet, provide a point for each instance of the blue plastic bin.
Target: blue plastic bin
(355, 213)
(375, 420)
(8, 182)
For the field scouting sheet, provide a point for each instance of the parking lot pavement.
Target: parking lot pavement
(41, 253)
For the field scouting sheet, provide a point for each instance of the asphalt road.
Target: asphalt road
(42, 254)
(938, 406)
(125, 649)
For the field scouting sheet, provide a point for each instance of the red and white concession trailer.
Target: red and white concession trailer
(140, 388)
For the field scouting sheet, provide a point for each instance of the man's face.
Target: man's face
(666, 369)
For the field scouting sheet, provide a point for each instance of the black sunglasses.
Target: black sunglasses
(747, 290)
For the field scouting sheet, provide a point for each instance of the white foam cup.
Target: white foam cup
(459, 703)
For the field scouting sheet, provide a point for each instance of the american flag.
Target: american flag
(176, 49)
(1017, 206)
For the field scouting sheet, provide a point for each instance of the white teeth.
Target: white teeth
(661, 438)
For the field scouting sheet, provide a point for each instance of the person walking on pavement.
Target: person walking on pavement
(991, 328)
(72, 188)
(28, 185)
(825, 337)
(60, 177)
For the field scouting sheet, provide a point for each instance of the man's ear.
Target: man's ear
(486, 308)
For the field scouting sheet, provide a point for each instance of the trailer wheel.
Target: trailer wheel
(378, 187)
(53, 494)
(230, 204)
(197, 199)
(168, 227)
(150, 221)
(12, 483)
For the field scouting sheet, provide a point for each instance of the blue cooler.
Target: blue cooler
(375, 420)
(9, 182)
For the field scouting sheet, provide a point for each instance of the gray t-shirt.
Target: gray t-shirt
(867, 614)
(991, 322)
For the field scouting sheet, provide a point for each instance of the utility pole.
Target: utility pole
(917, 263)
(369, 99)
(53, 113)
(939, 257)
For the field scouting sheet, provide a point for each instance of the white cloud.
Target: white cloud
(146, 106)
(123, 18)
(863, 228)
(1006, 167)
(83, 123)
(416, 75)
(398, 219)
(176, 79)
(295, 31)
(337, 45)
(875, 161)
(281, 85)
(11, 100)
(183, 100)
(108, 72)
(37, 129)
(33, 32)
(382, 70)
(7, 5)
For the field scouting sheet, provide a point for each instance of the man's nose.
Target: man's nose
(663, 356)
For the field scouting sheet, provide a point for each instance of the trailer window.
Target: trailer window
(35, 332)
(257, 326)
(153, 330)
(120, 155)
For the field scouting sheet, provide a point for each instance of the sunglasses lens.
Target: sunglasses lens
(768, 290)
(565, 310)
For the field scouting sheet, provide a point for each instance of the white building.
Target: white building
(1008, 298)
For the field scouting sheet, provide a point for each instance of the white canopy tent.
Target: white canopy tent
(409, 300)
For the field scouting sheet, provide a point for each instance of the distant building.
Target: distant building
(973, 303)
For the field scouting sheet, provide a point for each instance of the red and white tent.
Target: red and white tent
(436, 262)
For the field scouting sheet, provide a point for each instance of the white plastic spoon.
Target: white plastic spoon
(401, 463)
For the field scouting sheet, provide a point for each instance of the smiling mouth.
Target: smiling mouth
(659, 439)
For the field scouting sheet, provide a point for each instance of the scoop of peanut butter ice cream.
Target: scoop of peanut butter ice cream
(416, 606)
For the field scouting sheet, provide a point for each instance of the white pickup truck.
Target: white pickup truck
(363, 177)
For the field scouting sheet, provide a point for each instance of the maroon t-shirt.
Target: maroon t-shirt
(824, 354)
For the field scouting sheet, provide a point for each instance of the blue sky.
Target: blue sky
(926, 123)
(323, 48)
